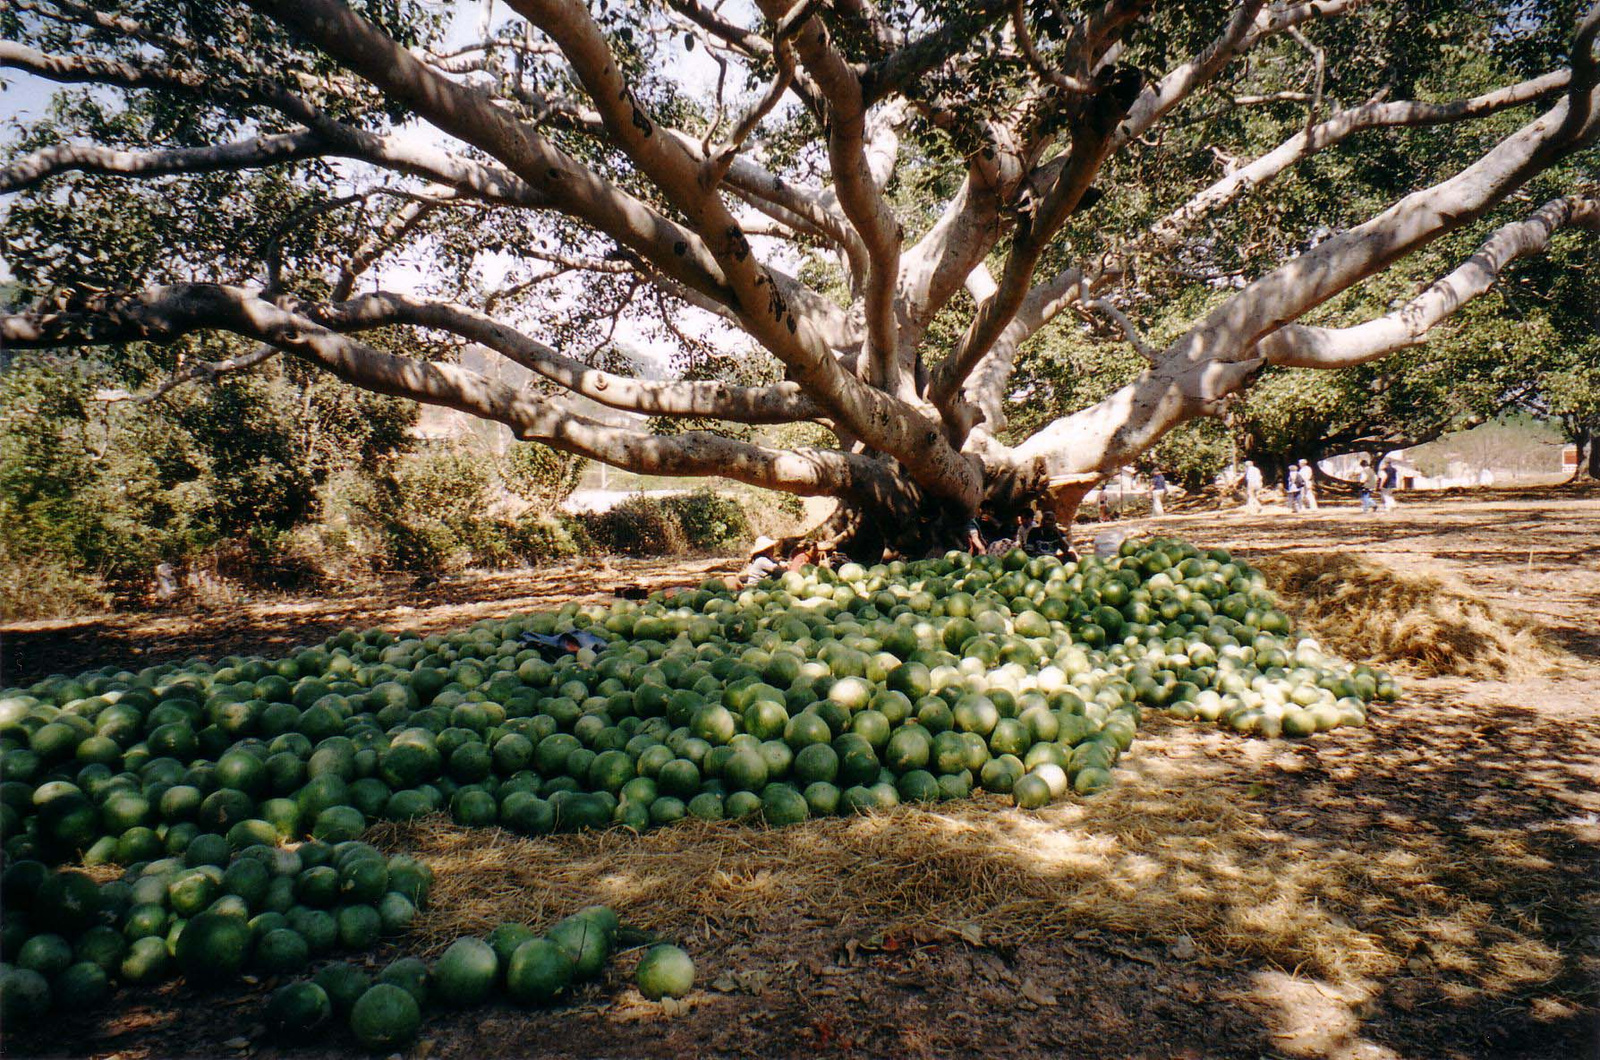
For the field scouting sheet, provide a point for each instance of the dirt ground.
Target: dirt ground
(1422, 888)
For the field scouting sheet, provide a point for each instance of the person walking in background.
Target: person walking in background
(1369, 486)
(1388, 481)
(1292, 486)
(1252, 486)
(1308, 492)
(1158, 493)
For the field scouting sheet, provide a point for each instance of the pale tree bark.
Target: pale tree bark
(1304, 346)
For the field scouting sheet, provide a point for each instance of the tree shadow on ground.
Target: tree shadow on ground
(32, 650)
(1424, 888)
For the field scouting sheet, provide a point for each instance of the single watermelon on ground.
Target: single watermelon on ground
(386, 1017)
(665, 971)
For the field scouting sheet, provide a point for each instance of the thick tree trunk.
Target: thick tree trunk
(1587, 466)
(866, 530)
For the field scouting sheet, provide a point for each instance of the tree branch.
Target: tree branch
(746, 42)
(857, 191)
(1103, 114)
(1118, 317)
(402, 222)
(568, 185)
(1333, 131)
(1195, 374)
(163, 314)
(89, 69)
(880, 419)
(1157, 99)
(1301, 346)
(244, 154)
(778, 403)
(911, 60)
(1319, 71)
(1585, 74)
(1030, 51)
(485, 182)
(986, 386)
(207, 370)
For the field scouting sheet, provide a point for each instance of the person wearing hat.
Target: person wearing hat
(761, 565)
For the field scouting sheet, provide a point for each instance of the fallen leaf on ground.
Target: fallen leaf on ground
(1038, 996)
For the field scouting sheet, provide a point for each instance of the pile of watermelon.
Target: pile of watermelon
(814, 693)
(210, 911)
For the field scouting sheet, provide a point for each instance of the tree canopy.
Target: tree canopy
(927, 257)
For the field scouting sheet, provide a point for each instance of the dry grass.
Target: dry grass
(1426, 624)
(1142, 863)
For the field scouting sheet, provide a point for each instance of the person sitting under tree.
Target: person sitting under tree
(1047, 539)
(762, 564)
(1005, 540)
(806, 553)
(972, 536)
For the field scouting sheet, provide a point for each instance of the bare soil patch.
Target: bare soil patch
(1421, 888)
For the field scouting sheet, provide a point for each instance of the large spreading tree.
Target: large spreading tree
(857, 224)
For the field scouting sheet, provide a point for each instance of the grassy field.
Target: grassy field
(1421, 888)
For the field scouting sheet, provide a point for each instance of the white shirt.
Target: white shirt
(758, 568)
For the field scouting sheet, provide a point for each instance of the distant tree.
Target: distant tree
(97, 484)
(883, 202)
(539, 474)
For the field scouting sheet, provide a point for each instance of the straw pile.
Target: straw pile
(1419, 623)
(1181, 862)
(1157, 861)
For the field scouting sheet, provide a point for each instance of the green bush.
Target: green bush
(639, 526)
(701, 521)
(44, 584)
(95, 493)
(427, 515)
(540, 538)
(434, 513)
(1192, 455)
(423, 547)
(710, 521)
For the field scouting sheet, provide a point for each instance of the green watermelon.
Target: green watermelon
(587, 943)
(213, 947)
(539, 970)
(385, 1018)
(665, 971)
(466, 973)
